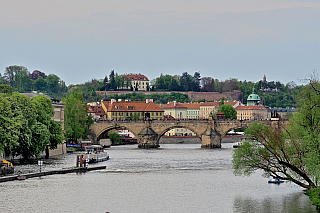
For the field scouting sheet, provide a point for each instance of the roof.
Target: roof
(210, 103)
(137, 77)
(251, 108)
(96, 109)
(172, 105)
(194, 105)
(135, 106)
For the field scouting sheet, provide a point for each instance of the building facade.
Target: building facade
(124, 110)
(252, 113)
(139, 82)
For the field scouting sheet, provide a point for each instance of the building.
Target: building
(180, 111)
(193, 110)
(96, 111)
(207, 109)
(251, 113)
(124, 110)
(176, 110)
(139, 82)
(283, 113)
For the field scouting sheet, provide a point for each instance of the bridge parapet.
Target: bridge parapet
(149, 133)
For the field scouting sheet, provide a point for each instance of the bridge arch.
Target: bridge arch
(162, 132)
(113, 127)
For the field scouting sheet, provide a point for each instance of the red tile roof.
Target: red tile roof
(171, 105)
(137, 77)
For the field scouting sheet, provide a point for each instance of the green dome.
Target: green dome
(253, 97)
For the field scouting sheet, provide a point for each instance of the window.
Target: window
(152, 114)
(156, 114)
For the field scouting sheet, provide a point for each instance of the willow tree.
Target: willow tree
(76, 118)
(290, 154)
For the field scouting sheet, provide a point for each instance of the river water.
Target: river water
(174, 178)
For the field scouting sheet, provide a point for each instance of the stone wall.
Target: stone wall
(60, 150)
(235, 95)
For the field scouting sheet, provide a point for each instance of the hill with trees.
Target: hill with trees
(273, 93)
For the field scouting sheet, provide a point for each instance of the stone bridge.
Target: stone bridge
(148, 133)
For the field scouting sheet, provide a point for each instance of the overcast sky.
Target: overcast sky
(80, 40)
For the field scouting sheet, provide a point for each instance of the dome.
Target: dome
(253, 97)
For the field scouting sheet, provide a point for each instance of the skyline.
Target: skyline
(79, 40)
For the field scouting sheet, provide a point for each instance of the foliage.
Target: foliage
(6, 89)
(158, 98)
(9, 126)
(314, 195)
(76, 119)
(26, 129)
(291, 154)
(114, 137)
(228, 111)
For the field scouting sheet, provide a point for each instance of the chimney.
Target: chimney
(174, 103)
(149, 100)
(119, 100)
(112, 101)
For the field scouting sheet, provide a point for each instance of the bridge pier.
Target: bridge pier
(148, 139)
(211, 139)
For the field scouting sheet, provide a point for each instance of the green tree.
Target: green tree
(228, 111)
(291, 154)
(114, 137)
(45, 111)
(76, 118)
(9, 126)
(6, 89)
(40, 84)
(112, 81)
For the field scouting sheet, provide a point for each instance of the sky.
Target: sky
(81, 40)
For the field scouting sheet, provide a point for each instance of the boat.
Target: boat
(21, 177)
(95, 153)
(276, 181)
(237, 144)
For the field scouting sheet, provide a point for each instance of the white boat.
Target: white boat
(237, 144)
(277, 181)
(95, 153)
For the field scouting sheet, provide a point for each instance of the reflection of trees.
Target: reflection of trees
(295, 203)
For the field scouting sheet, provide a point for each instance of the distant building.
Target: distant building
(176, 110)
(139, 81)
(251, 113)
(118, 110)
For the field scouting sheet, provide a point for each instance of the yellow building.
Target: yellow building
(123, 110)
(251, 113)
(139, 81)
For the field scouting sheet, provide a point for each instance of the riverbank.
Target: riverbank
(53, 172)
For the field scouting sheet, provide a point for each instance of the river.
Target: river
(174, 178)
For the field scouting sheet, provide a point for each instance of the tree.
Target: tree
(76, 119)
(9, 126)
(44, 114)
(6, 89)
(112, 81)
(290, 154)
(114, 137)
(228, 111)
(40, 84)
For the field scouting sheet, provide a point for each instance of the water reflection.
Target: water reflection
(294, 203)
